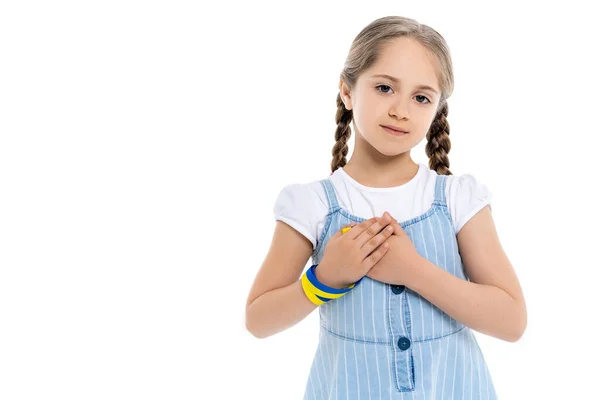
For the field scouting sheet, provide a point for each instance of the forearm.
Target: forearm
(484, 308)
(278, 310)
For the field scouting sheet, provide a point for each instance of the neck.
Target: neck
(381, 171)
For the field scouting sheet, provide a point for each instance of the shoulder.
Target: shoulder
(466, 185)
(466, 195)
(301, 194)
(301, 205)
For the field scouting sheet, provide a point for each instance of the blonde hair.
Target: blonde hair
(364, 52)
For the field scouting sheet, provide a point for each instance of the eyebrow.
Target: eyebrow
(395, 80)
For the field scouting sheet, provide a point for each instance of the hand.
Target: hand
(349, 256)
(398, 265)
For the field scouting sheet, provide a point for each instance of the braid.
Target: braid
(343, 117)
(438, 143)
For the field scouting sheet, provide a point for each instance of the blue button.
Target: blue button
(397, 289)
(403, 343)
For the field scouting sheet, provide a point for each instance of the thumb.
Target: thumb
(397, 228)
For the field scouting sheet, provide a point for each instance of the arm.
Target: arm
(492, 302)
(276, 300)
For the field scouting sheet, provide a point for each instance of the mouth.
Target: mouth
(394, 131)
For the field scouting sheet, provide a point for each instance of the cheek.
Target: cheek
(369, 113)
(361, 117)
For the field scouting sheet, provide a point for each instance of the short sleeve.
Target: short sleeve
(466, 196)
(299, 206)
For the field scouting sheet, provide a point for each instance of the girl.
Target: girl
(397, 301)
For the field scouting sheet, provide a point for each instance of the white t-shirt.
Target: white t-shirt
(304, 206)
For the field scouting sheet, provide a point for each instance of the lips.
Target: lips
(394, 131)
(394, 128)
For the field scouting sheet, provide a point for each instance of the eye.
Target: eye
(384, 86)
(389, 87)
(428, 101)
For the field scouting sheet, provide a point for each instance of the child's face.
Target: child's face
(378, 101)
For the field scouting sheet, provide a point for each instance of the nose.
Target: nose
(399, 109)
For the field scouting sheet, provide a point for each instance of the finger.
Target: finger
(397, 228)
(373, 229)
(377, 241)
(358, 229)
(374, 257)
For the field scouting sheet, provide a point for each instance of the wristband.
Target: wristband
(319, 293)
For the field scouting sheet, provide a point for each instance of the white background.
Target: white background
(143, 145)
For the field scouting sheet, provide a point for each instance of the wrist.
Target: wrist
(419, 265)
(318, 292)
(326, 280)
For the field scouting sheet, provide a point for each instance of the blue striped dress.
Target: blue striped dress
(382, 341)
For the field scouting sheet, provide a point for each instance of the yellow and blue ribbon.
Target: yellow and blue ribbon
(319, 293)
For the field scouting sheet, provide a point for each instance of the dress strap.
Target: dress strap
(330, 192)
(440, 190)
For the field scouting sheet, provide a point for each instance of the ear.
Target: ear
(345, 95)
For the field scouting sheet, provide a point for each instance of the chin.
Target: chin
(393, 147)
(390, 151)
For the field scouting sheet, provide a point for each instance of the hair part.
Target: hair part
(364, 52)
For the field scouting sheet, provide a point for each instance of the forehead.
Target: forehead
(407, 60)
